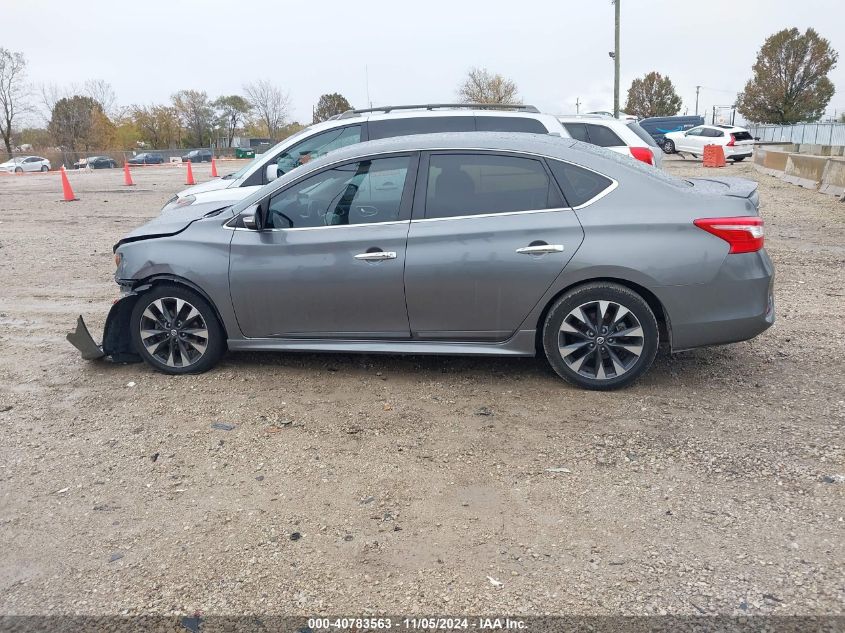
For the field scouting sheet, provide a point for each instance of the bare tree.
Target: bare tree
(14, 93)
(482, 86)
(102, 92)
(196, 113)
(270, 105)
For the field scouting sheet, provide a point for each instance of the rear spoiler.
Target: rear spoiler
(727, 186)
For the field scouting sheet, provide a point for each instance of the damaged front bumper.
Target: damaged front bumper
(117, 343)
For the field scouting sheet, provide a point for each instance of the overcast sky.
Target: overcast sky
(413, 52)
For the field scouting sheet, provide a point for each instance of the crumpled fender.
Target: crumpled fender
(117, 343)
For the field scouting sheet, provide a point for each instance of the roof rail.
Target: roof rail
(437, 106)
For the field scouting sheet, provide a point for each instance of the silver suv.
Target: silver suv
(357, 126)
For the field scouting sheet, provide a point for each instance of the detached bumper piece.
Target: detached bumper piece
(81, 339)
(117, 344)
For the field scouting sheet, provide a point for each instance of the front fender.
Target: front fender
(117, 342)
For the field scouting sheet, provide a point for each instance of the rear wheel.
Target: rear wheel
(45, 168)
(668, 146)
(176, 331)
(600, 336)
(739, 159)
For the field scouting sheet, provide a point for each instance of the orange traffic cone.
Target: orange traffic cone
(127, 176)
(66, 189)
(213, 168)
(190, 177)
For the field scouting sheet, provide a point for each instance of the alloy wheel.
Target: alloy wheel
(601, 340)
(173, 332)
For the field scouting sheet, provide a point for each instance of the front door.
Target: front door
(330, 263)
(490, 234)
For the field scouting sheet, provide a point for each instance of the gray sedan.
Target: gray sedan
(478, 243)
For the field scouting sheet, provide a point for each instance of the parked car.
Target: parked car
(480, 244)
(623, 137)
(356, 126)
(198, 156)
(657, 127)
(95, 162)
(737, 142)
(22, 164)
(146, 158)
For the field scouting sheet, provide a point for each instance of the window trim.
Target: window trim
(404, 204)
(419, 210)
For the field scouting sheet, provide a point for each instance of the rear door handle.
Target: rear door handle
(376, 256)
(540, 249)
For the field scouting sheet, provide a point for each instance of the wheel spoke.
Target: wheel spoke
(566, 350)
(631, 331)
(618, 367)
(599, 365)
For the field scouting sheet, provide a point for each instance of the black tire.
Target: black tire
(215, 339)
(45, 168)
(18, 170)
(631, 366)
(668, 146)
(739, 159)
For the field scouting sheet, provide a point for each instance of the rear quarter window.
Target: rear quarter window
(637, 129)
(742, 136)
(579, 185)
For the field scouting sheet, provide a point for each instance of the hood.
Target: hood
(211, 185)
(174, 221)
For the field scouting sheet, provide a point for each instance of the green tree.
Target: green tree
(157, 126)
(482, 86)
(231, 112)
(330, 105)
(790, 81)
(14, 93)
(652, 95)
(196, 115)
(72, 122)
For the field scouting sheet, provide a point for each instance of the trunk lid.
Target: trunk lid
(728, 186)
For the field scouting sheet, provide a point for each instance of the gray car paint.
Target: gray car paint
(641, 234)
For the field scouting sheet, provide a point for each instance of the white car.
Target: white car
(25, 163)
(356, 126)
(623, 137)
(737, 142)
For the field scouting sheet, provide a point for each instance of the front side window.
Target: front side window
(579, 185)
(472, 184)
(355, 193)
(696, 131)
(316, 146)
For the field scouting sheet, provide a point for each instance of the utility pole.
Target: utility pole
(577, 105)
(697, 88)
(616, 61)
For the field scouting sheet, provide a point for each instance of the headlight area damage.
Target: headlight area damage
(117, 345)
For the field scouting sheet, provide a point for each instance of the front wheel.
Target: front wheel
(176, 331)
(669, 146)
(600, 336)
(18, 170)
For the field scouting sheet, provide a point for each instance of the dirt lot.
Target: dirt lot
(405, 484)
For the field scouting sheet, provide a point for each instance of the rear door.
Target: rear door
(489, 235)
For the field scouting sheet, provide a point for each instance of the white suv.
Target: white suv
(736, 141)
(356, 126)
(623, 137)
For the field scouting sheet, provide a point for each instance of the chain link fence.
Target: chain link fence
(801, 133)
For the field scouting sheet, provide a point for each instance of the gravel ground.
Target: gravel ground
(350, 484)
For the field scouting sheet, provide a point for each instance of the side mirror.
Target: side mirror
(254, 218)
(271, 172)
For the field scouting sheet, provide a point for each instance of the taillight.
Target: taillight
(732, 142)
(744, 234)
(642, 153)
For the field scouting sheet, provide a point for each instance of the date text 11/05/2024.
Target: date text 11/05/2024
(416, 624)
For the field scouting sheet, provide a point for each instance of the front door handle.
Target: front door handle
(540, 249)
(376, 256)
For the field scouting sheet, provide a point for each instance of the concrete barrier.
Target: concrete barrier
(823, 173)
(833, 178)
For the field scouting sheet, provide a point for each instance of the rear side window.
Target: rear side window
(388, 128)
(577, 131)
(603, 136)
(579, 185)
(509, 124)
(472, 184)
(637, 129)
(711, 133)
